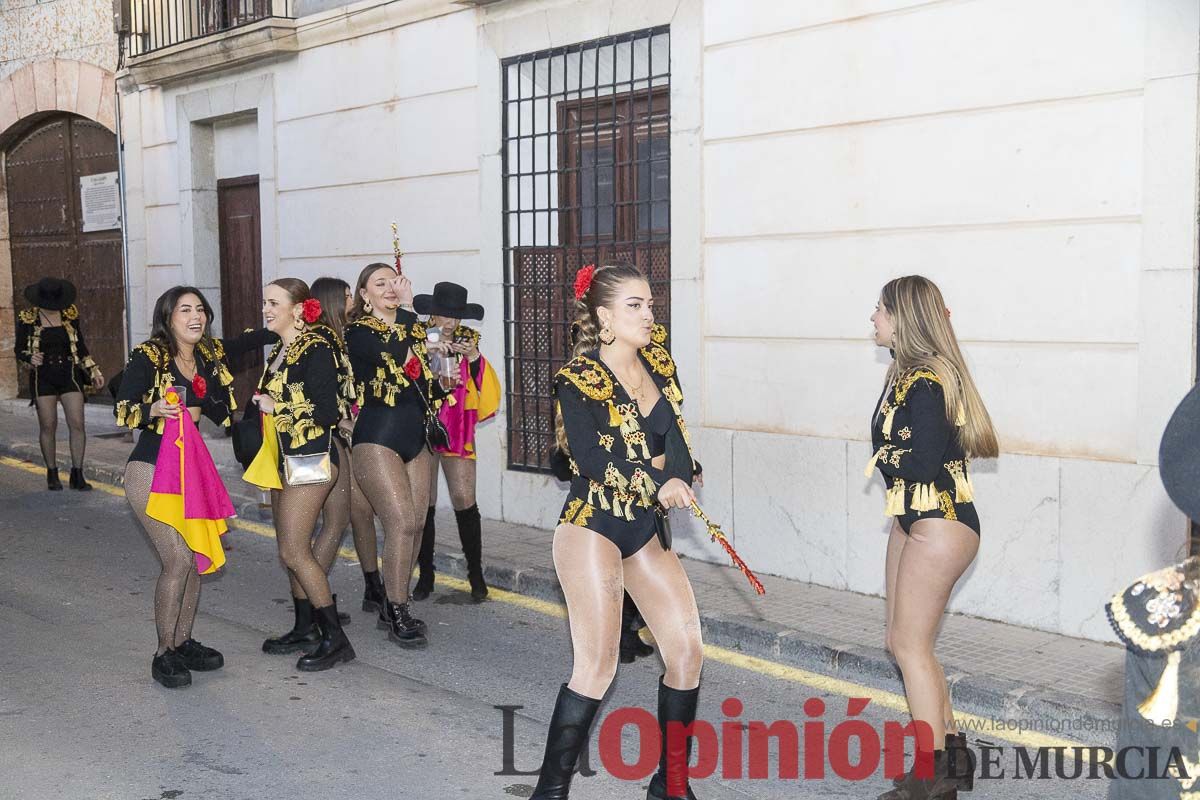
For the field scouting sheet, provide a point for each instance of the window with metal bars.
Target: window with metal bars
(587, 180)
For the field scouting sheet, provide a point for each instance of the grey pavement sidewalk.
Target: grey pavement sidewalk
(1067, 687)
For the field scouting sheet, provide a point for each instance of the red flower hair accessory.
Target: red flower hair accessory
(199, 386)
(311, 310)
(412, 368)
(583, 280)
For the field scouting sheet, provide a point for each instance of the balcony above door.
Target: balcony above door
(174, 40)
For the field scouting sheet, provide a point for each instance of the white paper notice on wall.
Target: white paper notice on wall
(101, 202)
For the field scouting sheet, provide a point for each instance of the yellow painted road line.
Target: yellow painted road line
(822, 683)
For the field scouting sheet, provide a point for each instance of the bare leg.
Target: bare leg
(72, 404)
(589, 571)
(931, 563)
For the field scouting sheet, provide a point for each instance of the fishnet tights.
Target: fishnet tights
(397, 492)
(177, 592)
(295, 509)
(460, 480)
(47, 413)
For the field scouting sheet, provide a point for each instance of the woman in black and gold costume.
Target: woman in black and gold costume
(930, 420)
(299, 389)
(337, 300)
(50, 341)
(391, 455)
(179, 352)
(621, 426)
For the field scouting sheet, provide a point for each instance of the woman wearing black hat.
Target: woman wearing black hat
(50, 340)
(475, 390)
(398, 401)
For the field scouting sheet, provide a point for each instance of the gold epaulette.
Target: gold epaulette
(588, 377)
(158, 355)
(302, 344)
(372, 323)
(469, 335)
(70, 313)
(659, 359)
(658, 334)
(28, 316)
(908, 379)
(417, 331)
(1159, 613)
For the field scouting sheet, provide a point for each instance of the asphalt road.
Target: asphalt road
(81, 718)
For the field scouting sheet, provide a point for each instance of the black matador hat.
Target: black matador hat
(52, 294)
(448, 300)
(1179, 455)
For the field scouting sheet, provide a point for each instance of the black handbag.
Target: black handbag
(662, 526)
(436, 435)
(247, 435)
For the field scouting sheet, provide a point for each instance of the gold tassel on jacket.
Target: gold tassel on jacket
(894, 507)
(871, 464)
(1162, 705)
(887, 422)
(614, 416)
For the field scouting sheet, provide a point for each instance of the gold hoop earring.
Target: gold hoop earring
(606, 336)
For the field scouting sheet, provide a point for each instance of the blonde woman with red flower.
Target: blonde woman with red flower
(398, 400)
(621, 431)
(298, 396)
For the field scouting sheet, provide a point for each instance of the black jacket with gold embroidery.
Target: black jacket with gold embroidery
(608, 450)
(916, 447)
(347, 391)
(147, 376)
(306, 393)
(28, 342)
(378, 353)
(1158, 619)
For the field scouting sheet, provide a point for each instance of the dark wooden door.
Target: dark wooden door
(46, 220)
(241, 273)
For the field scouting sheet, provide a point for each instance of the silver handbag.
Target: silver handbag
(307, 470)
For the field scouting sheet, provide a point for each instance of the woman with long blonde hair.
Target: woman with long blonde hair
(928, 424)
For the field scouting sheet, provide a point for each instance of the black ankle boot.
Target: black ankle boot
(374, 597)
(168, 669)
(52, 481)
(77, 482)
(303, 635)
(424, 586)
(199, 658)
(960, 762)
(566, 739)
(403, 629)
(938, 786)
(470, 532)
(334, 647)
(343, 617)
(632, 646)
(674, 706)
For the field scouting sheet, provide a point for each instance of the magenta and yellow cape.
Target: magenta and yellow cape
(187, 492)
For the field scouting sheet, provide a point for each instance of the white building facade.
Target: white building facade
(779, 162)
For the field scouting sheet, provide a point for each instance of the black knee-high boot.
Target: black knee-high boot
(674, 706)
(470, 532)
(632, 646)
(424, 586)
(566, 739)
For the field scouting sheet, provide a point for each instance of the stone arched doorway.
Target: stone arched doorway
(47, 231)
(57, 124)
